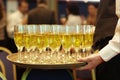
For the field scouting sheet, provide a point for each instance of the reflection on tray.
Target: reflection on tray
(45, 58)
(46, 63)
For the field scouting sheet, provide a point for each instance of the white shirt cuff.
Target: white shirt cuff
(107, 53)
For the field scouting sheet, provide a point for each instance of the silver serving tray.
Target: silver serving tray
(12, 58)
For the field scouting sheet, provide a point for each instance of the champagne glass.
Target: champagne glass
(18, 37)
(42, 42)
(66, 42)
(56, 41)
(88, 31)
(40, 39)
(46, 32)
(30, 41)
(34, 48)
(43, 37)
(66, 39)
(77, 39)
(55, 38)
(88, 36)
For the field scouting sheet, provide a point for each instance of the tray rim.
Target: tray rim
(47, 66)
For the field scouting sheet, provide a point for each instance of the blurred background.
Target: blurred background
(58, 6)
(66, 12)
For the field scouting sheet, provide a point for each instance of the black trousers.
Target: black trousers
(52, 74)
(108, 70)
(3, 43)
(9, 44)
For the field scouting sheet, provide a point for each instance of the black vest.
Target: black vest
(105, 24)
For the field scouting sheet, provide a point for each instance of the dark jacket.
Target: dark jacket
(105, 24)
(41, 15)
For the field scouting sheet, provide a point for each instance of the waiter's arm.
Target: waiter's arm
(113, 48)
(107, 53)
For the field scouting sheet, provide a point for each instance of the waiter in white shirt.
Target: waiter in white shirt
(17, 17)
(106, 54)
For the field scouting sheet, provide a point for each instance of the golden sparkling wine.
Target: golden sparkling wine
(88, 40)
(44, 43)
(77, 40)
(73, 40)
(54, 41)
(30, 40)
(40, 41)
(46, 39)
(67, 42)
(18, 37)
(27, 40)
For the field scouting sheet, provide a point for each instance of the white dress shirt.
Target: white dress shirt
(113, 48)
(118, 8)
(15, 18)
(74, 20)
